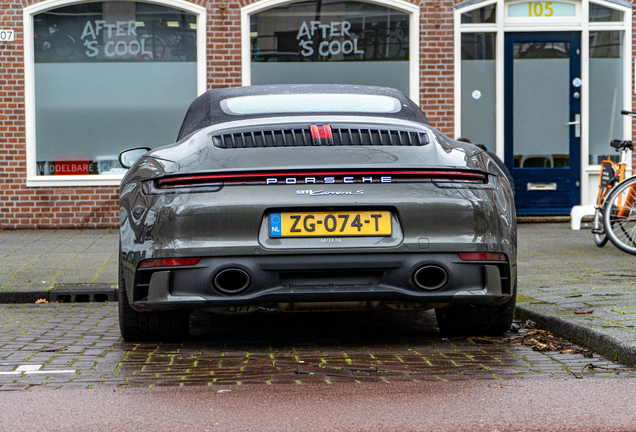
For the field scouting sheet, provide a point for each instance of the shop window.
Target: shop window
(485, 15)
(109, 76)
(600, 13)
(606, 93)
(327, 42)
(478, 88)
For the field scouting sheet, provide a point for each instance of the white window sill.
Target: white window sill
(75, 180)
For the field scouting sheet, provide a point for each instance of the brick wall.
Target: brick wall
(436, 64)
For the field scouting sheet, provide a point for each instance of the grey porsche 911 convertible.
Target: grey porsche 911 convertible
(313, 197)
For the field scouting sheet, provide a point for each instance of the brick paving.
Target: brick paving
(560, 271)
(53, 346)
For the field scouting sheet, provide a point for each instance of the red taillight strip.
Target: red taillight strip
(482, 256)
(254, 177)
(169, 262)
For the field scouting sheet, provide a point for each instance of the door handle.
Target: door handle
(577, 125)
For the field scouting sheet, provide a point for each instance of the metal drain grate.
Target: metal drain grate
(83, 293)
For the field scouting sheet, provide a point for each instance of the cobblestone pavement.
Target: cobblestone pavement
(52, 346)
(585, 293)
(36, 260)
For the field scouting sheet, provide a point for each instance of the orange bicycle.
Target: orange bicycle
(612, 173)
(618, 209)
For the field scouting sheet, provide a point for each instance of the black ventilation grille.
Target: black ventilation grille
(302, 137)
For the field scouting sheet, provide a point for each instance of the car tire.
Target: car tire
(476, 319)
(165, 326)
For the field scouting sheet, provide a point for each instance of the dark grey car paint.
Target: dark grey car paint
(228, 227)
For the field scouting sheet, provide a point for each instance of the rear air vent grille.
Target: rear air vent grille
(303, 137)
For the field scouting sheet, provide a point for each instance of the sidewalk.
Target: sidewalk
(35, 261)
(560, 271)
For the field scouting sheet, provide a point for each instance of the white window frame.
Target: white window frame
(414, 37)
(34, 180)
(501, 26)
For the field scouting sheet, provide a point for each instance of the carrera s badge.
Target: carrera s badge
(324, 193)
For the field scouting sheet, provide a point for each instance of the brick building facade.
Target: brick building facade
(37, 193)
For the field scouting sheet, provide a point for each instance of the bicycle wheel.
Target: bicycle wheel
(390, 46)
(619, 216)
(600, 238)
(62, 44)
(153, 48)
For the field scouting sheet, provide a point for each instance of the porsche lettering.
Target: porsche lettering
(328, 180)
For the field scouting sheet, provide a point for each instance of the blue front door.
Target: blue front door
(543, 120)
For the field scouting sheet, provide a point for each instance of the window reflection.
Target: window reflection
(484, 15)
(324, 42)
(114, 31)
(329, 31)
(478, 88)
(541, 92)
(600, 13)
(541, 50)
(606, 93)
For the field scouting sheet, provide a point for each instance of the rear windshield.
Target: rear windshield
(310, 103)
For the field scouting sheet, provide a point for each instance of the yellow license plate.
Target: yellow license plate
(323, 224)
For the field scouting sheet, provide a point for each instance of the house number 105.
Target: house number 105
(539, 10)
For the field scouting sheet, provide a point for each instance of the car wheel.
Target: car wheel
(476, 319)
(165, 326)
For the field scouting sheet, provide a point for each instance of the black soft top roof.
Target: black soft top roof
(206, 109)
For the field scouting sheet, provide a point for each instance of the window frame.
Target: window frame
(403, 6)
(34, 180)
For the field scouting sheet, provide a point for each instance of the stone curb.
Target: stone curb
(587, 337)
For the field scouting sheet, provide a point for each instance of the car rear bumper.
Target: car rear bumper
(422, 278)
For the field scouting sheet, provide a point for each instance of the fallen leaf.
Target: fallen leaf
(40, 301)
(583, 312)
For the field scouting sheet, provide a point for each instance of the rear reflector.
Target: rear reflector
(169, 262)
(482, 256)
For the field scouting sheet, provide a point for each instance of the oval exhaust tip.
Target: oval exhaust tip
(231, 280)
(430, 277)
